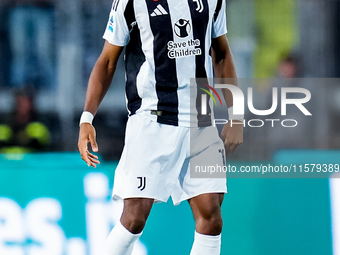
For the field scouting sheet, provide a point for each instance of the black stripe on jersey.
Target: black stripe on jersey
(134, 59)
(129, 14)
(218, 9)
(115, 5)
(200, 21)
(165, 68)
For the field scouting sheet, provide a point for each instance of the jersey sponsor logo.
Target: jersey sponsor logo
(182, 28)
(200, 6)
(191, 47)
(142, 183)
(184, 49)
(111, 24)
(158, 11)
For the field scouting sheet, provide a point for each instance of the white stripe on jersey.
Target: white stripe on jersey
(181, 11)
(146, 79)
(163, 11)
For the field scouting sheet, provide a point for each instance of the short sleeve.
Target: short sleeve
(220, 20)
(117, 29)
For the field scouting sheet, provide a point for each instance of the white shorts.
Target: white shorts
(156, 159)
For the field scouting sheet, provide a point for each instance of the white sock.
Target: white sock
(205, 244)
(120, 241)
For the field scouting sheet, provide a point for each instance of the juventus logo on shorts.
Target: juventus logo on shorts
(142, 183)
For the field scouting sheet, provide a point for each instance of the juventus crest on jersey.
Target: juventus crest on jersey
(167, 43)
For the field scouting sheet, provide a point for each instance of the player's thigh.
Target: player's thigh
(206, 206)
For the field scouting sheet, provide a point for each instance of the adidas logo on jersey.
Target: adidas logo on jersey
(159, 11)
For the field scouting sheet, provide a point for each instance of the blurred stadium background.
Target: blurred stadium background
(51, 204)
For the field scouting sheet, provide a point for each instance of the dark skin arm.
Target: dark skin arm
(99, 83)
(224, 67)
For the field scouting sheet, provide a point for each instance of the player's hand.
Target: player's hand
(232, 136)
(87, 134)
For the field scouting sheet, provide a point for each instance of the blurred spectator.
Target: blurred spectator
(277, 32)
(288, 68)
(21, 132)
(31, 31)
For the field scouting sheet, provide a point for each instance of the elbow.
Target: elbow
(111, 67)
(106, 64)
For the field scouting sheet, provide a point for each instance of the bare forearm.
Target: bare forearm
(226, 70)
(98, 85)
(224, 66)
(101, 76)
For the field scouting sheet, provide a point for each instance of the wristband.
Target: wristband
(234, 117)
(86, 117)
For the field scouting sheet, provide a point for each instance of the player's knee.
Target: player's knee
(135, 223)
(211, 225)
(135, 214)
(216, 225)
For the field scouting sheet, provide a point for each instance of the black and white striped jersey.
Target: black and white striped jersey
(167, 43)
